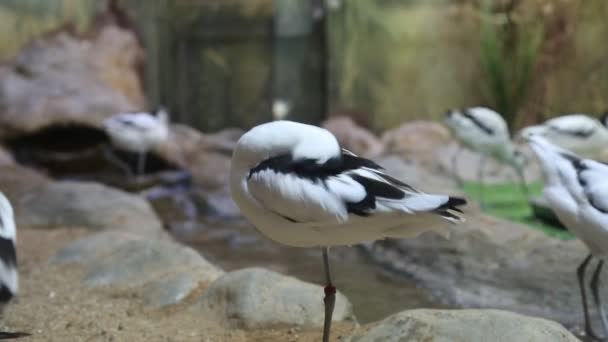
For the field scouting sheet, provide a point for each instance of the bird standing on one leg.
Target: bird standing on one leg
(138, 132)
(577, 191)
(9, 278)
(483, 130)
(296, 185)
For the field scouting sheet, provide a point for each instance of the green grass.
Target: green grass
(507, 201)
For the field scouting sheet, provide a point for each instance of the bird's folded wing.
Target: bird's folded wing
(593, 176)
(336, 194)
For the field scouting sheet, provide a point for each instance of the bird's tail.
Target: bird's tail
(451, 210)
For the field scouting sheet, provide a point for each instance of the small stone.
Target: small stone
(138, 262)
(462, 325)
(92, 247)
(255, 298)
(91, 205)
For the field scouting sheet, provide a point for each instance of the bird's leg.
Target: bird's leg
(111, 157)
(455, 166)
(522, 182)
(595, 279)
(580, 272)
(141, 163)
(330, 296)
(482, 160)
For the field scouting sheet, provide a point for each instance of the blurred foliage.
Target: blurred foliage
(358, 34)
(416, 60)
(22, 20)
(507, 201)
(390, 60)
(509, 51)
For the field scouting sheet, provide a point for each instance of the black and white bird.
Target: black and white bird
(582, 134)
(9, 278)
(577, 191)
(138, 132)
(485, 131)
(298, 187)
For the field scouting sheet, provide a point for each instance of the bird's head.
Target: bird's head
(285, 137)
(452, 117)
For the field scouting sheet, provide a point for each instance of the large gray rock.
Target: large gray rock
(354, 137)
(492, 263)
(63, 79)
(160, 272)
(138, 262)
(93, 247)
(176, 287)
(494, 172)
(207, 158)
(462, 325)
(17, 181)
(416, 140)
(255, 298)
(89, 205)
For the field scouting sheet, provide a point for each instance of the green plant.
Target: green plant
(509, 51)
(508, 202)
(360, 38)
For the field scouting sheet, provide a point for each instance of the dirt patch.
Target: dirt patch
(53, 305)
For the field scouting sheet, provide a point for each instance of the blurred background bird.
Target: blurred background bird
(485, 131)
(138, 132)
(577, 191)
(582, 134)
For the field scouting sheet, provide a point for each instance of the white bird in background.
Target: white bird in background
(138, 132)
(584, 135)
(296, 185)
(280, 109)
(485, 131)
(577, 191)
(9, 279)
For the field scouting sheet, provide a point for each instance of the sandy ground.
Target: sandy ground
(54, 306)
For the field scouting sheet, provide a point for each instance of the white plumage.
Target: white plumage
(299, 188)
(577, 191)
(579, 133)
(138, 132)
(485, 131)
(9, 281)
